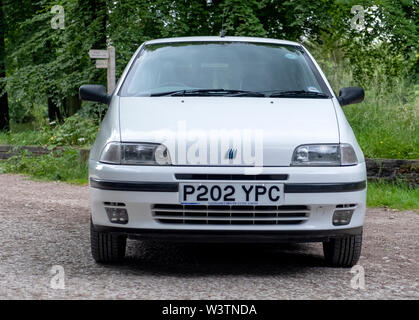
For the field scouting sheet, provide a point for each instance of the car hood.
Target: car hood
(202, 130)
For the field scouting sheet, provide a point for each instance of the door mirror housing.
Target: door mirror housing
(351, 95)
(95, 93)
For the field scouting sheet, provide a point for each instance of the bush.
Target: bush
(75, 131)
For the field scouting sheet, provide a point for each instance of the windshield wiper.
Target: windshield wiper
(210, 92)
(241, 93)
(298, 94)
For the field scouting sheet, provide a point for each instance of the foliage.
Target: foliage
(48, 62)
(386, 128)
(53, 63)
(386, 124)
(26, 137)
(241, 19)
(75, 131)
(61, 165)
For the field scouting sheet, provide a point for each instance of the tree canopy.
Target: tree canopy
(40, 65)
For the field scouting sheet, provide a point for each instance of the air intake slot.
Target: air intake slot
(346, 206)
(114, 204)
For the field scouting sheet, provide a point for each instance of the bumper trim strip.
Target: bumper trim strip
(231, 177)
(325, 187)
(134, 186)
(174, 186)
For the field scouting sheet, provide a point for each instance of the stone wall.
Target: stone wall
(7, 151)
(393, 170)
(377, 169)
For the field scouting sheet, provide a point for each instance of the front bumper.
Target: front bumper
(321, 189)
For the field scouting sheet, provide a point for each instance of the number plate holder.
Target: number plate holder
(238, 194)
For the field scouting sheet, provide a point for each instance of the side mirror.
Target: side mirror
(351, 95)
(95, 93)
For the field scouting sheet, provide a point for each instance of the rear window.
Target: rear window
(221, 65)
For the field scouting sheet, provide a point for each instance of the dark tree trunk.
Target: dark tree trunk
(4, 104)
(72, 104)
(54, 113)
(4, 112)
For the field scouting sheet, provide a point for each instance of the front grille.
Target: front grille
(229, 215)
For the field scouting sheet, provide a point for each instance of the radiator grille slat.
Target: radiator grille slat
(229, 215)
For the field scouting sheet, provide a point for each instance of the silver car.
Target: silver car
(226, 139)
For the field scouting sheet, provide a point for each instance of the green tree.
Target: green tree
(53, 63)
(4, 105)
(241, 18)
(46, 66)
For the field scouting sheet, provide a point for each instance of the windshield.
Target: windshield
(222, 68)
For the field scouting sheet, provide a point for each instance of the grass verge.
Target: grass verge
(60, 165)
(396, 196)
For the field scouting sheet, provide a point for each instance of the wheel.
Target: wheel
(107, 247)
(343, 252)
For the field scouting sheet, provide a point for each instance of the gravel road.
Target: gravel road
(46, 223)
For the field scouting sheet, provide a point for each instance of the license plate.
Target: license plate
(231, 194)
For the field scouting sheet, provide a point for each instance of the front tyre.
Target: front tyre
(343, 252)
(107, 247)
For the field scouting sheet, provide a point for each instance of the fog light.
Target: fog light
(342, 217)
(117, 215)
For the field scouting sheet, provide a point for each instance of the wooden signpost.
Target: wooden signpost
(98, 54)
(101, 64)
(105, 59)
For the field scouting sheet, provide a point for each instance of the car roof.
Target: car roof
(222, 39)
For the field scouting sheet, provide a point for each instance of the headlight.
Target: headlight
(135, 154)
(324, 155)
